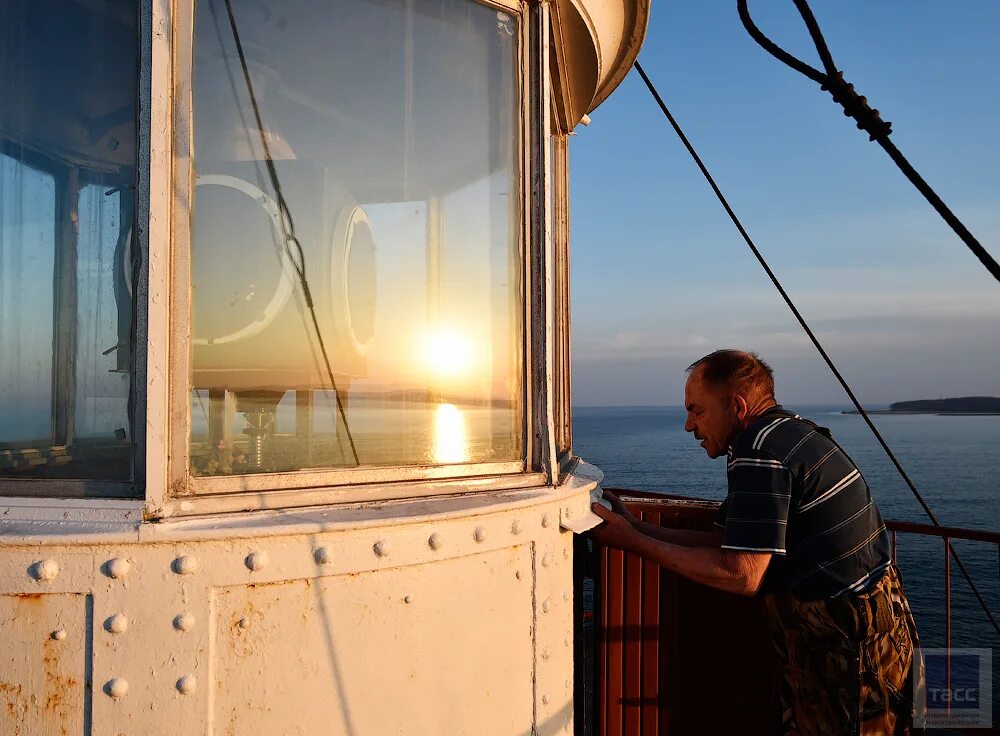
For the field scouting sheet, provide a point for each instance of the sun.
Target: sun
(448, 353)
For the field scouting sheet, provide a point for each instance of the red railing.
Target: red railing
(946, 534)
(674, 657)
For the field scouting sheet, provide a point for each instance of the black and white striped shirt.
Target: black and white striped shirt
(795, 493)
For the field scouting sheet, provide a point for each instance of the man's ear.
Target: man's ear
(740, 407)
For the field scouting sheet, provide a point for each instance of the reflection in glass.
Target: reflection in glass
(397, 158)
(67, 186)
(450, 441)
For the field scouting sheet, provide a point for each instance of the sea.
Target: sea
(954, 461)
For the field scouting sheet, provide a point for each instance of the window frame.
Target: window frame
(204, 494)
(26, 497)
(562, 367)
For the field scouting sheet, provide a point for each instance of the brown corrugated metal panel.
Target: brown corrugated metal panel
(613, 607)
(650, 686)
(665, 677)
(679, 658)
(632, 636)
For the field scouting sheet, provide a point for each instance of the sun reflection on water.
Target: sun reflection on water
(451, 443)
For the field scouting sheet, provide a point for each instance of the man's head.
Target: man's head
(725, 391)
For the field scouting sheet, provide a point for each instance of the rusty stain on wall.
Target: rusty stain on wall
(43, 677)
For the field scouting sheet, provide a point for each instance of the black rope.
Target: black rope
(296, 256)
(812, 336)
(868, 119)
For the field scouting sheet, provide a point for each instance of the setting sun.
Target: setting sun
(448, 353)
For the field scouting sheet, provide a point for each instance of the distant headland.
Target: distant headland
(989, 405)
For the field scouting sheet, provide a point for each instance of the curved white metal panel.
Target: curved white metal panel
(596, 43)
(427, 616)
(622, 25)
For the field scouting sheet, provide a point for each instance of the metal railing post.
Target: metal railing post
(947, 618)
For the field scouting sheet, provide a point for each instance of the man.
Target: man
(798, 528)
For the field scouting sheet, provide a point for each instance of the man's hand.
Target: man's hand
(619, 507)
(616, 531)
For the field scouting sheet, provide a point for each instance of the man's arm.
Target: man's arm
(728, 570)
(680, 537)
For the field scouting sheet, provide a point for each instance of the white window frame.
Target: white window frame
(171, 489)
(562, 367)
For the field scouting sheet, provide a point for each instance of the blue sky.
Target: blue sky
(659, 274)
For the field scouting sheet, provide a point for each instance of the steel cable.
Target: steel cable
(868, 119)
(812, 336)
(296, 256)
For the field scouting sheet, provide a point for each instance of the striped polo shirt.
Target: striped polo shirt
(795, 493)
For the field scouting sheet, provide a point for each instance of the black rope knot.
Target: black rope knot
(856, 106)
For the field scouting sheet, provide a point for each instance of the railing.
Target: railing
(675, 657)
(947, 534)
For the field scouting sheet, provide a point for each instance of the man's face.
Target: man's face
(711, 415)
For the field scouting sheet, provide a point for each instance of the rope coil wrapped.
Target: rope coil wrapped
(856, 106)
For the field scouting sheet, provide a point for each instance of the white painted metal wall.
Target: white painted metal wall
(450, 616)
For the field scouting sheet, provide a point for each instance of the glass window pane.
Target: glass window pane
(67, 185)
(393, 130)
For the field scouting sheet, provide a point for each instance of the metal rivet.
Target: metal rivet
(546, 559)
(408, 599)
(545, 520)
(546, 654)
(58, 634)
(568, 512)
(243, 623)
(434, 541)
(185, 565)
(44, 570)
(566, 595)
(545, 699)
(515, 527)
(479, 534)
(117, 568)
(116, 687)
(322, 556)
(256, 561)
(381, 548)
(116, 624)
(546, 605)
(183, 621)
(187, 684)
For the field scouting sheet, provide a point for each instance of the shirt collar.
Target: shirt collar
(776, 409)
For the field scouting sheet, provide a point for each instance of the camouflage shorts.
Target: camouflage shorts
(846, 662)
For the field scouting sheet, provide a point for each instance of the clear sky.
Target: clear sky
(659, 274)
